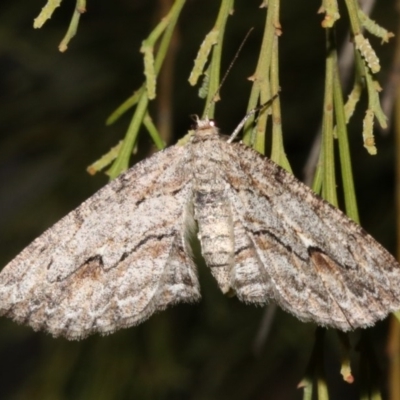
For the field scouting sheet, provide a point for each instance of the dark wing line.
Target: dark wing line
(339, 237)
(79, 276)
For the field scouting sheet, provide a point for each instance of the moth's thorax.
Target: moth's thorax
(207, 155)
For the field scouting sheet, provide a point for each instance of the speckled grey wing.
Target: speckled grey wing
(306, 254)
(114, 260)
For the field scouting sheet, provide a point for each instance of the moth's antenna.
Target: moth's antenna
(248, 115)
(228, 70)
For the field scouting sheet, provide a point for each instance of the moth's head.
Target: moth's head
(204, 127)
(203, 123)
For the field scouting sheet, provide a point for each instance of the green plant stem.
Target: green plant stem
(151, 128)
(344, 152)
(322, 389)
(122, 161)
(125, 106)
(373, 99)
(329, 180)
(317, 181)
(307, 386)
(277, 151)
(261, 89)
(352, 9)
(215, 64)
(73, 26)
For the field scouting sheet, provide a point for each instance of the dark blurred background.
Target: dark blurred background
(53, 108)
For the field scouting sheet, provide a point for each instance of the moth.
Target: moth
(124, 253)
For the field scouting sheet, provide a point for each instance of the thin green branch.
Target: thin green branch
(148, 56)
(322, 389)
(214, 71)
(353, 98)
(314, 371)
(371, 66)
(345, 348)
(277, 151)
(331, 10)
(46, 13)
(344, 152)
(73, 26)
(367, 52)
(329, 180)
(125, 106)
(152, 129)
(353, 8)
(317, 181)
(105, 160)
(307, 385)
(374, 103)
(201, 59)
(373, 28)
(122, 161)
(261, 89)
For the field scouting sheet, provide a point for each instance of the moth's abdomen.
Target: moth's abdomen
(214, 217)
